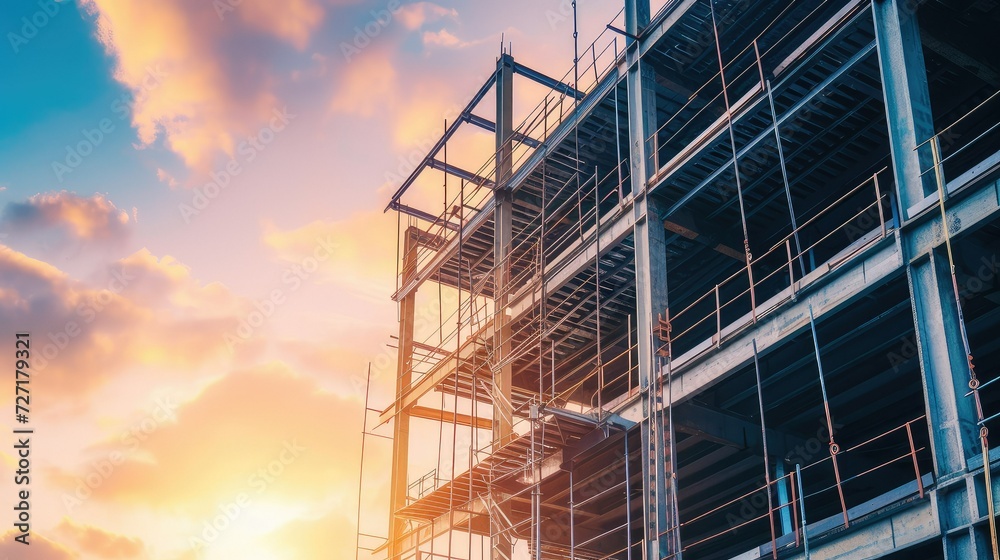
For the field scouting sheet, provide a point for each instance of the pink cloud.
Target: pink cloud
(415, 15)
(195, 86)
(140, 311)
(92, 218)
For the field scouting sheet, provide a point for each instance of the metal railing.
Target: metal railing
(733, 513)
(781, 261)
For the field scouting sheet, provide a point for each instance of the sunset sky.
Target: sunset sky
(191, 229)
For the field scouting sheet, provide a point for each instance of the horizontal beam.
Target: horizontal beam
(766, 134)
(429, 413)
(580, 255)
(548, 82)
(688, 231)
(459, 172)
(728, 429)
(425, 216)
(443, 524)
(491, 126)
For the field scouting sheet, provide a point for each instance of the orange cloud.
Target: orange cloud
(193, 83)
(41, 548)
(366, 89)
(241, 435)
(291, 20)
(140, 311)
(358, 252)
(99, 542)
(87, 218)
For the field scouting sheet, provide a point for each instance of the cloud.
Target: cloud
(291, 20)
(99, 542)
(446, 39)
(363, 247)
(165, 177)
(41, 548)
(367, 89)
(138, 311)
(414, 16)
(227, 440)
(92, 218)
(213, 87)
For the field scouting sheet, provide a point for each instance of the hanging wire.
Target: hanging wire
(736, 164)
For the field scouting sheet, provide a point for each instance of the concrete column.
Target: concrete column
(404, 376)
(502, 416)
(951, 416)
(651, 287)
(502, 215)
(908, 102)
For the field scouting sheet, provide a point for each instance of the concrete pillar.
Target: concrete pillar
(951, 416)
(502, 215)
(651, 289)
(908, 101)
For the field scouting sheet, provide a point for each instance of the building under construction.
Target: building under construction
(728, 291)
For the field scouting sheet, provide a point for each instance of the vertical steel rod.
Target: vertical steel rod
(834, 448)
(597, 285)
(913, 454)
(767, 461)
(792, 482)
(718, 319)
(628, 506)
(572, 520)
(361, 471)
(736, 163)
(802, 509)
(878, 203)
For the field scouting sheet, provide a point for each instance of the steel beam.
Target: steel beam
(404, 376)
(491, 126)
(651, 289)
(502, 367)
(458, 172)
(546, 81)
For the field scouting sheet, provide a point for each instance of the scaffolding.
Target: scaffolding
(602, 411)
